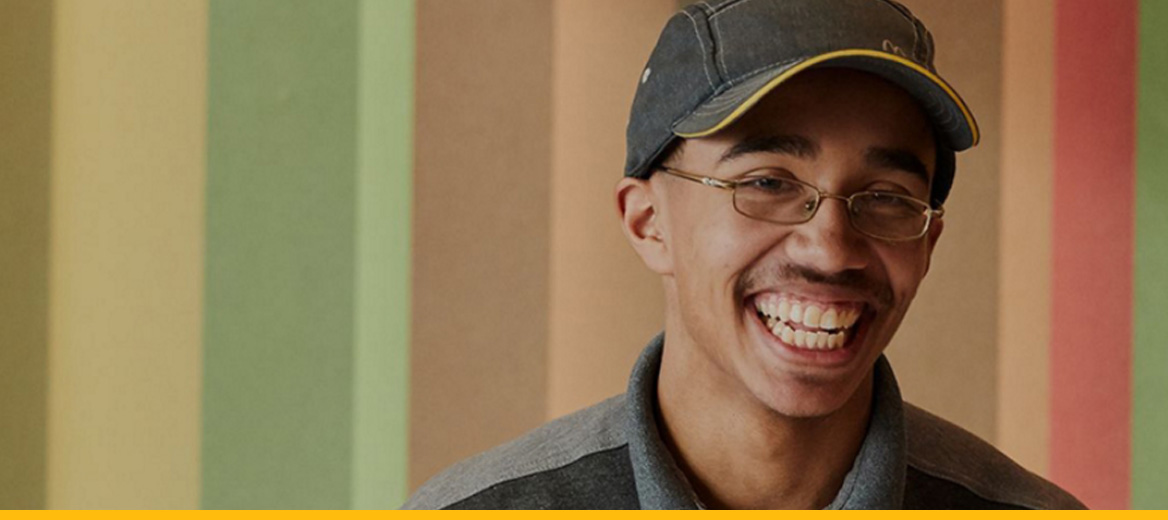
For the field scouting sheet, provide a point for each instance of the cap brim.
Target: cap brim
(945, 108)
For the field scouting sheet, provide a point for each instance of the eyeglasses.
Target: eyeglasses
(761, 195)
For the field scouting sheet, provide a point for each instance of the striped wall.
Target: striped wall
(1149, 444)
(1092, 237)
(286, 253)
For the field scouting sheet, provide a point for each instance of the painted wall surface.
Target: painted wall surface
(128, 122)
(402, 220)
(1024, 288)
(385, 122)
(1092, 245)
(1150, 358)
(481, 231)
(307, 267)
(945, 353)
(281, 162)
(604, 304)
(25, 64)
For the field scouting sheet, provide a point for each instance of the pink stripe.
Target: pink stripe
(1094, 183)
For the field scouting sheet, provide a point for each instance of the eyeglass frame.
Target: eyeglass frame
(930, 212)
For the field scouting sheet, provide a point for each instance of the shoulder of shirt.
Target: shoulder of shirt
(943, 450)
(558, 443)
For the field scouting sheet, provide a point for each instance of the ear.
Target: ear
(934, 234)
(638, 205)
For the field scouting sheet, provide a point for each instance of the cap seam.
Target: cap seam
(717, 11)
(741, 78)
(723, 72)
(721, 56)
(729, 84)
(702, 45)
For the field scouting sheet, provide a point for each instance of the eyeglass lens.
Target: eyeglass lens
(783, 201)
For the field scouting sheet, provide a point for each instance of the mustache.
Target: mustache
(851, 280)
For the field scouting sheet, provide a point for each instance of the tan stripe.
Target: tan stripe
(945, 353)
(1024, 310)
(127, 253)
(605, 305)
(482, 152)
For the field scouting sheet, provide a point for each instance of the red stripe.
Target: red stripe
(1094, 183)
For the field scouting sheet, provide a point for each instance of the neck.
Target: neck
(739, 454)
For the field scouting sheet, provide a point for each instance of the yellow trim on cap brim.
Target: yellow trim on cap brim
(810, 62)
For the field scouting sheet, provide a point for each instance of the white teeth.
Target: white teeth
(829, 325)
(829, 319)
(808, 340)
(811, 316)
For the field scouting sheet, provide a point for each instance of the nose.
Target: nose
(828, 243)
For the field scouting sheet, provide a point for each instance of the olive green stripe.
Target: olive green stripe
(1150, 357)
(280, 238)
(26, 60)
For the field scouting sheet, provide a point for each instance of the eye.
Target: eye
(771, 185)
(891, 188)
(883, 203)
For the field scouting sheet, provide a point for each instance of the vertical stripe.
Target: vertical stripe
(946, 351)
(281, 197)
(604, 305)
(1150, 416)
(384, 193)
(126, 254)
(25, 65)
(480, 264)
(1092, 247)
(1026, 171)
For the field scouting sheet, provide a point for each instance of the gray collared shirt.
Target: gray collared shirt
(611, 456)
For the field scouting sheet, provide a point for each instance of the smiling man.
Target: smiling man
(787, 165)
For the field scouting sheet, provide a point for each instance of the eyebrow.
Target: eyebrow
(795, 145)
(898, 159)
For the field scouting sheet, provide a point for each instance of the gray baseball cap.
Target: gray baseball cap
(716, 60)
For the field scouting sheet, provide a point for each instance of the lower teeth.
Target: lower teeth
(817, 340)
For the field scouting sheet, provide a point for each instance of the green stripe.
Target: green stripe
(384, 196)
(1150, 416)
(281, 254)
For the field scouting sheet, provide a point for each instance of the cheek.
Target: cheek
(710, 262)
(906, 268)
(716, 256)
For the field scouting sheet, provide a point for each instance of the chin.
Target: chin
(797, 381)
(792, 397)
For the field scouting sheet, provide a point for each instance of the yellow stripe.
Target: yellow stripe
(750, 102)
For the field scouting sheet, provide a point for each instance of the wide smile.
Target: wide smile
(808, 330)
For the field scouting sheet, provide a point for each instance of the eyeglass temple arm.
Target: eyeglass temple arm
(707, 181)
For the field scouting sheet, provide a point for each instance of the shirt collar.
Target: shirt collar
(876, 480)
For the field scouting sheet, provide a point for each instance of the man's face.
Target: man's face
(844, 132)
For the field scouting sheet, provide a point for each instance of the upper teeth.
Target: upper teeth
(809, 314)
